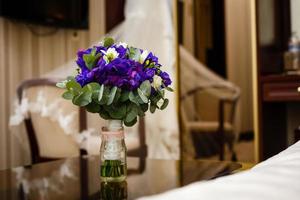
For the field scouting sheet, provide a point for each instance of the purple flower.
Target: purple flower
(99, 48)
(84, 78)
(121, 50)
(166, 79)
(121, 71)
(80, 62)
(152, 58)
(150, 72)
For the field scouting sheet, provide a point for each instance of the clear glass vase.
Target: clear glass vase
(113, 190)
(113, 166)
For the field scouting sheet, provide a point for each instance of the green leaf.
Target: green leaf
(93, 107)
(138, 98)
(144, 107)
(124, 96)
(97, 56)
(152, 108)
(146, 88)
(71, 78)
(131, 123)
(105, 96)
(104, 114)
(74, 87)
(117, 112)
(132, 112)
(135, 98)
(108, 41)
(88, 60)
(161, 93)
(134, 54)
(91, 58)
(93, 52)
(144, 91)
(94, 88)
(169, 89)
(73, 84)
(112, 95)
(83, 98)
(155, 99)
(140, 111)
(101, 90)
(67, 95)
(132, 98)
(117, 96)
(165, 104)
(142, 95)
(62, 84)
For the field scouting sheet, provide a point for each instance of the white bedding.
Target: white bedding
(275, 178)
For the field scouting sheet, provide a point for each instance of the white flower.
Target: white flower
(157, 82)
(123, 44)
(62, 84)
(110, 54)
(143, 56)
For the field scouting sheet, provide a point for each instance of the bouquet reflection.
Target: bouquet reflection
(113, 190)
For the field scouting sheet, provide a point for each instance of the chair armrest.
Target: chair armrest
(235, 92)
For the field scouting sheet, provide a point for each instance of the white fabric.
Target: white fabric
(55, 122)
(46, 184)
(198, 75)
(148, 25)
(277, 178)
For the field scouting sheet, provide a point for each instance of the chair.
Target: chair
(47, 139)
(204, 111)
(208, 104)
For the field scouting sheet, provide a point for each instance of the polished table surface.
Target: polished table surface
(78, 178)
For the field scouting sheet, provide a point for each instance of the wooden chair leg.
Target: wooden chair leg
(233, 156)
(221, 129)
(221, 143)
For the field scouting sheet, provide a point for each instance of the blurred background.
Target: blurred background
(235, 66)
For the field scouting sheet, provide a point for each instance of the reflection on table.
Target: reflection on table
(78, 178)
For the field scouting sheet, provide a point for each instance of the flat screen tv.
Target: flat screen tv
(59, 13)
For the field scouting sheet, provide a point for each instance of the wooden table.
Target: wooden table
(78, 178)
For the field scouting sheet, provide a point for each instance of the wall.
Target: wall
(295, 16)
(188, 26)
(24, 55)
(239, 58)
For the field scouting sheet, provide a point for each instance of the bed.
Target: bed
(276, 178)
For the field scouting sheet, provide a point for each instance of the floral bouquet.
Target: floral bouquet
(120, 83)
(117, 81)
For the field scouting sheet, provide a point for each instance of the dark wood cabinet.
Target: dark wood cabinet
(275, 90)
(280, 88)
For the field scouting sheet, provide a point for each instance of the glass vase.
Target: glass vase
(113, 166)
(113, 190)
